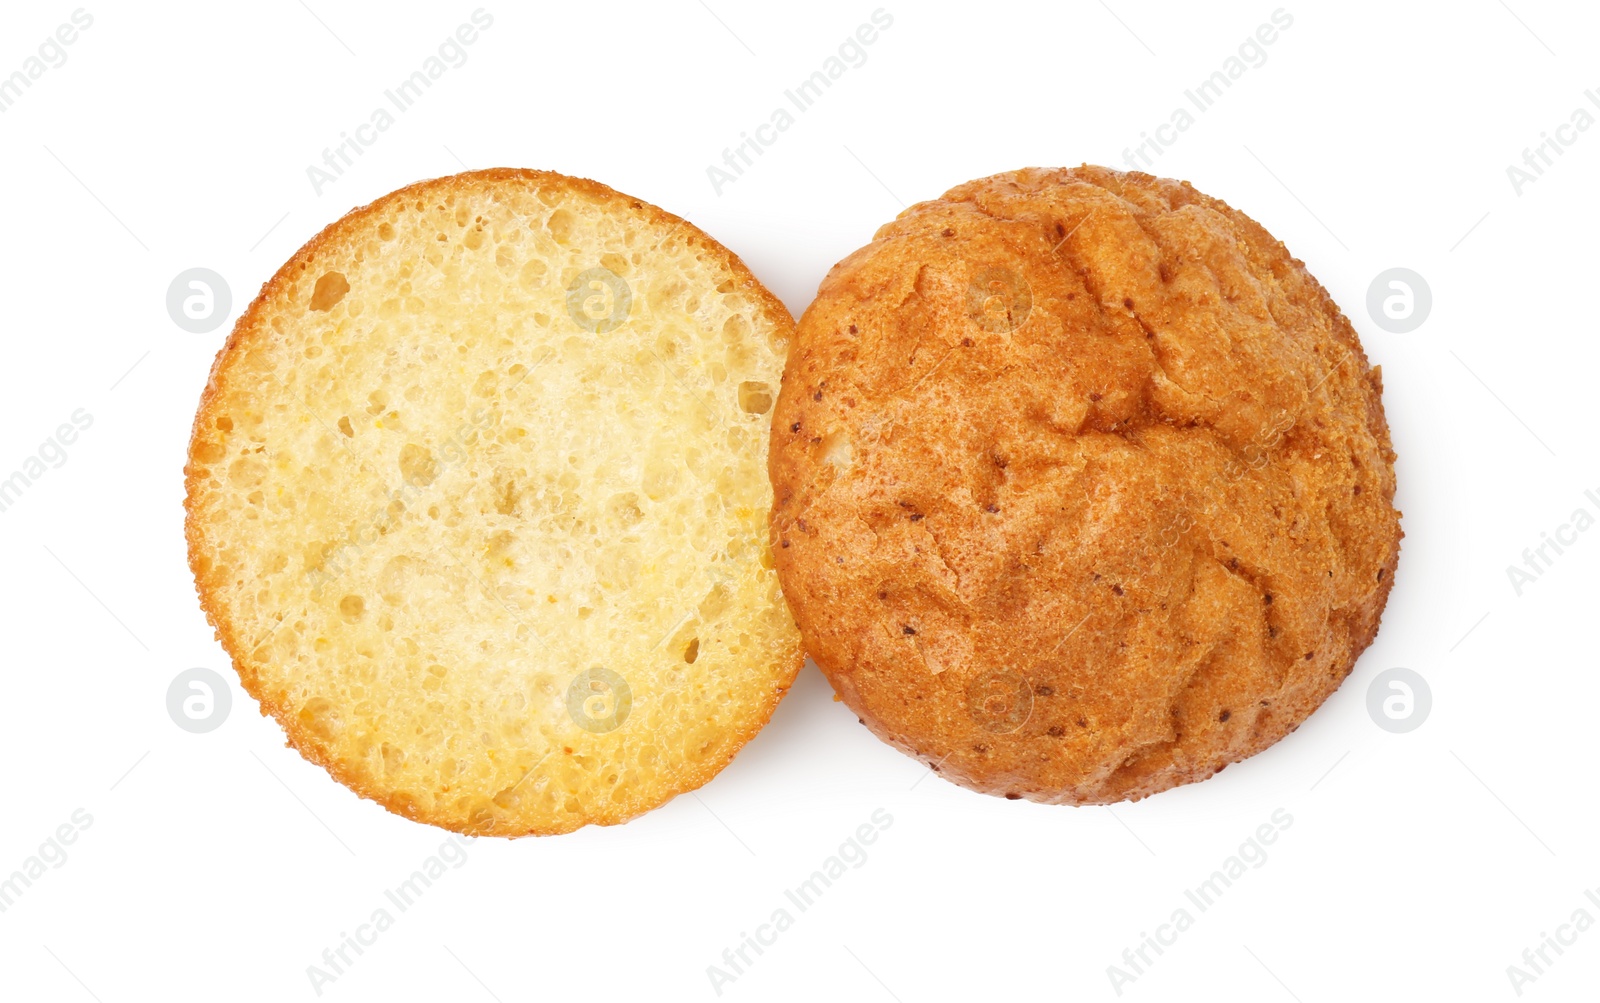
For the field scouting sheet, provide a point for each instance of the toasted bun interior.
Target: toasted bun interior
(477, 503)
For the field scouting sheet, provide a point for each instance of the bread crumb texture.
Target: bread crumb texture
(1083, 486)
(477, 503)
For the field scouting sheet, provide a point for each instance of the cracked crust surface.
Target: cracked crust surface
(1082, 486)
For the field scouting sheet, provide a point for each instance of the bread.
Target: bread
(477, 503)
(1083, 488)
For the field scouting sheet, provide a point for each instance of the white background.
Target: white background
(219, 866)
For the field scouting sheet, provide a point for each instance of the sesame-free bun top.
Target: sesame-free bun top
(477, 503)
(1083, 488)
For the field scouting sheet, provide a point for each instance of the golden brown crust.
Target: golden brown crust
(209, 579)
(1082, 486)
